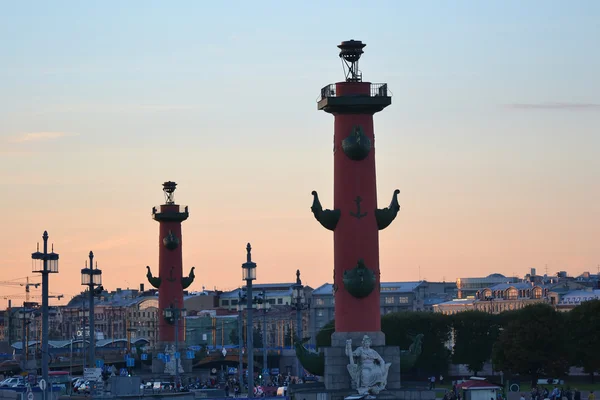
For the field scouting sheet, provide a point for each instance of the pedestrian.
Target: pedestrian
(591, 396)
(577, 394)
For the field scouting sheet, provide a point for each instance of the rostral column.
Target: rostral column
(355, 219)
(170, 281)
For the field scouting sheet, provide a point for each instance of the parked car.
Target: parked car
(13, 382)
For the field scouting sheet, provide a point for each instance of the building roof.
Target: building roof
(430, 301)
(271, 290)
(324, 289)
(516, 285)
(457, 302)
(399, 287)
(576, 297)
(386, 287)
(57, 344)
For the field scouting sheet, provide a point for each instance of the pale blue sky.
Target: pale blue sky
(493, 134)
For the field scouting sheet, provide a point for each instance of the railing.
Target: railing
(376, 90)
(172, 208)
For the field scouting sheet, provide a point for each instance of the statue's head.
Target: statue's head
(366, 342)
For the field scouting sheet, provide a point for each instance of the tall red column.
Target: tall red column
(355, 219)
(170, 281)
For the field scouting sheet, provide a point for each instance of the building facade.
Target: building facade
(500, 298)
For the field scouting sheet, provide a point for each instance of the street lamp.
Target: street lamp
(300, 304)
(172, 316)
(249, 274)
(44, 263)
(91, 277)
(240, 310)
(264, 305)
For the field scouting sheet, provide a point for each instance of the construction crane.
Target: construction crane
(27, 297)
(26, 284)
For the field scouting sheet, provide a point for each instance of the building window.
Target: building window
(280, 301)
(234, 302)
(225, 302)
(320, 302)
(389, 300)
(403, 300)
(319, 313)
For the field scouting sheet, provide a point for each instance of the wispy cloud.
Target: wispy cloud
(119, 108)
(29, 137)
(555, 106)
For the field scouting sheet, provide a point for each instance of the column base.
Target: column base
(337, 376)
(338, 339)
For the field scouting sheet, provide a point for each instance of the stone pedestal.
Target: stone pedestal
(337, 376)
(158, 366)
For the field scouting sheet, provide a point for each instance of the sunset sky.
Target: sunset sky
(493, 135)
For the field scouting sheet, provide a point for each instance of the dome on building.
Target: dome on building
(496, 276)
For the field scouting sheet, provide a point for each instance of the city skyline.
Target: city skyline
(491, 137)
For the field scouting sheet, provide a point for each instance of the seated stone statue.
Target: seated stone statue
(367, 369)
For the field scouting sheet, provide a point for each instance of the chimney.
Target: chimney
(141, 287)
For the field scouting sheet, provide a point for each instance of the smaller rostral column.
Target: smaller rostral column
(355, 219)
(170, 281)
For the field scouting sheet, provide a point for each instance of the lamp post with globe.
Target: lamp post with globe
(300, 304)
(264, 305)
(91, 277)
(240, 309)
(45, 263)
(249, 274)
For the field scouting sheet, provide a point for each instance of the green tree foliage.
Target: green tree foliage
(400, 328)
(584, 335)
(533, 342)
(475, 333)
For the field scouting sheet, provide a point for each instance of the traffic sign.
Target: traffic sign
(42, 384)
(189, 355)
(144, 356)
(266, 371)
(131, 362)
(30, 396)
(176, 355)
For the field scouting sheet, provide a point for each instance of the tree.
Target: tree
(400, 328)
(584, 325)
(532, 342)
(475, 333)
